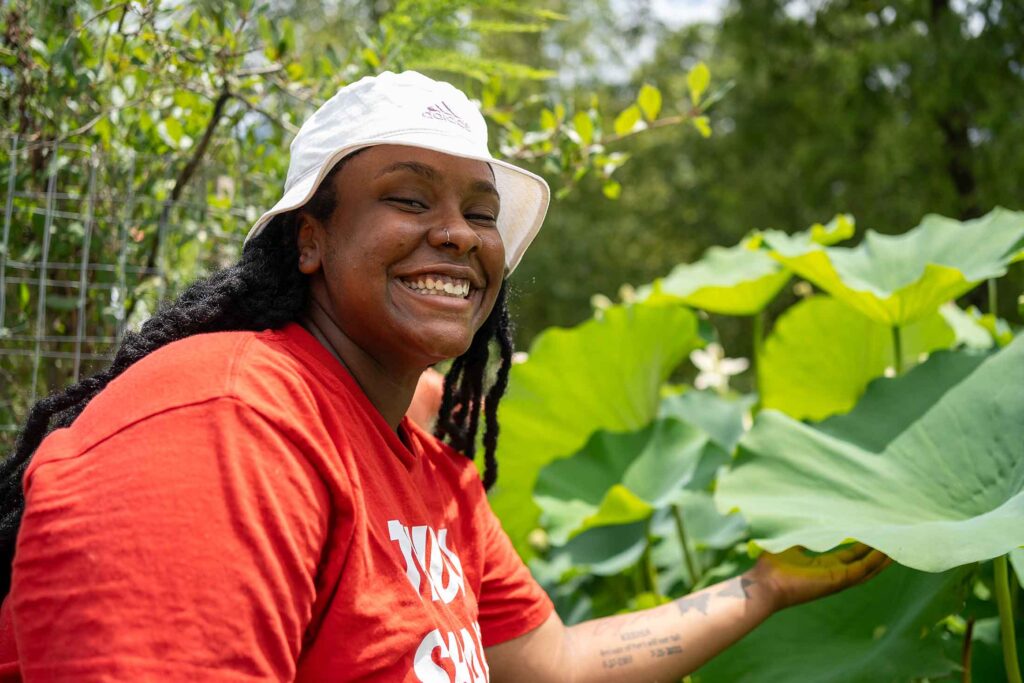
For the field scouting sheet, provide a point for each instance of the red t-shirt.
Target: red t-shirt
(234, 508)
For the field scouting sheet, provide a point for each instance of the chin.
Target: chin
(441, 345)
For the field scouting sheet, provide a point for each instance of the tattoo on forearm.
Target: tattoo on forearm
(656, 646)
(633, 635)
(693, 602)
(736, 588)
(617, 662)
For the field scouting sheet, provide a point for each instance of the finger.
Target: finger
(852, 553)
(873, 562)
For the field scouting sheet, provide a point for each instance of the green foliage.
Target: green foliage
(822, 354)
(926, 468)
(602, 375)
(618, 478)
(898, 279)
(740, 280)
(853, 637)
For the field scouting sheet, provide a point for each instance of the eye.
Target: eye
(413, 204)
(486, 219)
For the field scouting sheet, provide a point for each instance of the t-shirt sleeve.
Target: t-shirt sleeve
(511, 601)
(181, 548)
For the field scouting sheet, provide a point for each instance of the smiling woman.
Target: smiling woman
(241, 494)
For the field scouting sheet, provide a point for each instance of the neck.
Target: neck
(390, 392)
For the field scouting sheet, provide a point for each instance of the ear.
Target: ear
(310, 243)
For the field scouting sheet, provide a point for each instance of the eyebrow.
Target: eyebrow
(430, 173)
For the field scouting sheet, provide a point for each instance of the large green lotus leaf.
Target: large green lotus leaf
(1017, 560)
(927, 468)
(883, 631)
(987, 652)
(721, 417)
(706, 529)
(821, 355)
(618, 478)
(603, 374)
(737, 280)
(967, 327)
(898, 279)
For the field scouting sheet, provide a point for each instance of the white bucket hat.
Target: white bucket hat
(409, 109)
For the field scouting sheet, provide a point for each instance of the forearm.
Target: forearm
(667, 642)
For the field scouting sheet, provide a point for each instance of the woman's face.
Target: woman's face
(410, 262)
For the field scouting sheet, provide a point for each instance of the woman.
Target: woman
(252, 504)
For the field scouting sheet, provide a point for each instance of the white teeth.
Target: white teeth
(439, 285)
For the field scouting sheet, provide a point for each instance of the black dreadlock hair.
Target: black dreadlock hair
(265, 289)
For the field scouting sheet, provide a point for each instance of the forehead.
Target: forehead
(384, 160)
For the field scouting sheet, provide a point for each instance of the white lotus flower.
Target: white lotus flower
(715, 368)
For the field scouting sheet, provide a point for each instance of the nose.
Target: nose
(456, 235)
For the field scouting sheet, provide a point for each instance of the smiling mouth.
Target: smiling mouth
(438, 285)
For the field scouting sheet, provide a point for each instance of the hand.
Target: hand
(795, 577)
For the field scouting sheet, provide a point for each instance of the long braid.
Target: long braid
(503, 335)
(463, 396)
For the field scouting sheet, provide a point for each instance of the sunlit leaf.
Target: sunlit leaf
(628, 120)
(839, 229)
(584, 127)
(611, 189)
(701, 123)
(926, 468)
(649, 100)
(897, 279)
(697, 81)
(821, 355)
(733, 281)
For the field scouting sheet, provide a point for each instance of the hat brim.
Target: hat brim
(524, 195)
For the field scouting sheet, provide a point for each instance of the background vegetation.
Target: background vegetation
(141, 139)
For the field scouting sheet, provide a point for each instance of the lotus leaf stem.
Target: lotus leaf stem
(897, 350)
(650, 572)
(692, 566)
(965, 655)
(758, 346)
(993, 298)
(1006, 620)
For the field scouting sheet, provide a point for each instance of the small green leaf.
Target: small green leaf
(703, 126)
(584, 127)
(627, 121)
(697, 81)
(649, 100)
(370, 57)
(548, 121)
(612, 189)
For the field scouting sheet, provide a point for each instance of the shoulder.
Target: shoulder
(255, 369)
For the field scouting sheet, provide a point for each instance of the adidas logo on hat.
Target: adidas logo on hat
(443, 112)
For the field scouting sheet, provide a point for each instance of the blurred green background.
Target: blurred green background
(183, 112)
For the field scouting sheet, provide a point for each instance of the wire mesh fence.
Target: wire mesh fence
(91, 244)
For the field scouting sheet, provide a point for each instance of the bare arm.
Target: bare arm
(668, 642)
